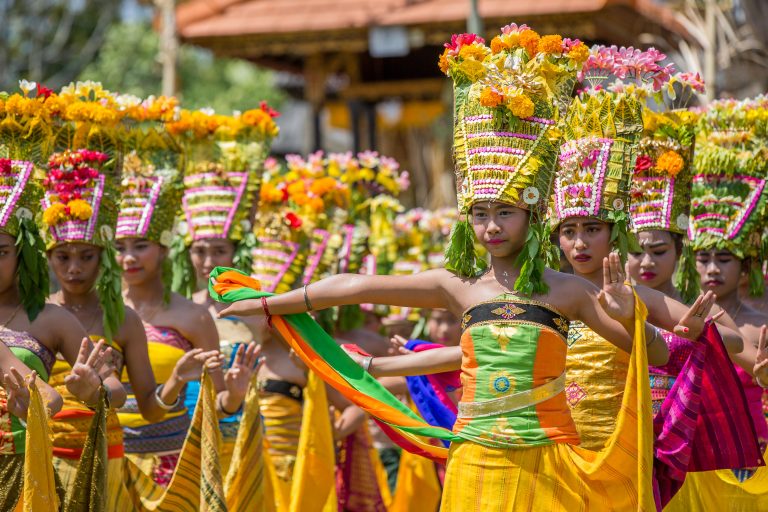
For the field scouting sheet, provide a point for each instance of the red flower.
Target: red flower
(5, 166)
(643, 163)
(269, 110)
(459, 40)
(293, 220)
(43, 91)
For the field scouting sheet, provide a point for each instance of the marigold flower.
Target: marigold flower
(489, 97)
(529, 39)
(498, 45)
(472, 69)
(551, 44)
(54, 214)
(670, 162)
(520, 106)
(473, 51)
(79, 209)
(443, 63)
(579, 53)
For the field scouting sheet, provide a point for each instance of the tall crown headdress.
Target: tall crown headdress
(221, 183)
(602, 130)
(729, 193)
(508, 98)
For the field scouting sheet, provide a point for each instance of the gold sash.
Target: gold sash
(513, 402)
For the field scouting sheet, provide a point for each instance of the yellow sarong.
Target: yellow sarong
(720, 490)
(282, 426)
(560, 476)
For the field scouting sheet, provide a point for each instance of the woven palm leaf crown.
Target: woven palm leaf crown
(601, 130)
(508, 97)
(221, 182)
(729, 185)
(661, 180)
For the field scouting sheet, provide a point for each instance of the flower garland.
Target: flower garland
(71, 177)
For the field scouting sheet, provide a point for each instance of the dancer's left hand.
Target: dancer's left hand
(692, 324)
(245, 365)
(761, 358)
(616, 297)
(84, 380)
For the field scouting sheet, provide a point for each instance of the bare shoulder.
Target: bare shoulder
(131, 328)
(567, 292)
(201, 297)
(188, 312)
(53, 314)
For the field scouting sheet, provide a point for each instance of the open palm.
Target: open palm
(761, 359)
(17, 388)
(616, 297)
(246, 364)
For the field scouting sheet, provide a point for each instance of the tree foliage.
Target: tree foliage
(50, 41)
(127, 62)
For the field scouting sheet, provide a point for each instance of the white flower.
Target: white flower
(531, 195)
(24, 213)
(246, 225)
(27, 86)
(682, 222)
(182, 228)
(207, 111)
(618, 204)
(106, 232)
(166, 238)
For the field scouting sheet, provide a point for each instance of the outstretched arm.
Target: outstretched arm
(428, 362)
(422, 290)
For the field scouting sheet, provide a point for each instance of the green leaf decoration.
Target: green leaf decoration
(183, 275)
(109, 289)
(32, 271)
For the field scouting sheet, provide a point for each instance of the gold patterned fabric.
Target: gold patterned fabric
(282, 426)
(12, 478)
(596, 377)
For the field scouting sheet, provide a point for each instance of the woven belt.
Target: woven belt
(514, 401)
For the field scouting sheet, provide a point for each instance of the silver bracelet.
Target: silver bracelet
(164, 406)
(367, 363)
(656, 335)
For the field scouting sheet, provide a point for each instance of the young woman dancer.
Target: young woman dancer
(515, 315)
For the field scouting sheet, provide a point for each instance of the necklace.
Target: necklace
(147, 318)
(738, 310)
(79, 309)
(11, 317)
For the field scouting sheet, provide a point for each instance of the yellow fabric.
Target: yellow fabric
(314, 482)
(596, 374)
(12, 478)
(164, 358)
(118, 499)
(720, 490)
(247, 486)
(196, 484)
(282, 425)
(418, 488)
(560, 476)
(39, 484)
(379, 472)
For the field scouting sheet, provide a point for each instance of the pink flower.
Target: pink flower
(459, 40)
(5, 166)
(513, 27)
(643, 162)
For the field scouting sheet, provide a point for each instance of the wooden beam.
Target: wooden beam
(426, 88)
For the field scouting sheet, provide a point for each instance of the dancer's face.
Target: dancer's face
(585, 241)
(76, 266)
(500, 227)
(8, 262)
(655, 264)
(210, 253)
(140, 259)
(719, 270)
(444, 327)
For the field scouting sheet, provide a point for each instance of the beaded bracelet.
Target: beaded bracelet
(266, 311)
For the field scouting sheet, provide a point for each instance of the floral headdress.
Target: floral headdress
(224, 167)
(507, 99)
(661, 180)
(729, 193)
(80, 205)
(602, 129)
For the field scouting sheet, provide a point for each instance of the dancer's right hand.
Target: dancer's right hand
(17, 388)
(761, 358)
(397, 345)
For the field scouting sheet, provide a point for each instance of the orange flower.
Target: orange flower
(490, 98)
(579, 53)
(670, 162)
(473, 51)
(498, 45)
(443, 62)
(54, 214)
(297, 187)
(529, 39)
(551, 44)
(316, 204)
(521, 106)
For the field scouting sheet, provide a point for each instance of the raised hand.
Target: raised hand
(761, 358)
(397, 345)
(245, 365)
(190, 366)
(691, 325)
(247, 307)
(17, 388)
(616, 296)
(84, 380)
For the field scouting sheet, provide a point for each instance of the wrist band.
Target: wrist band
(266, 311)
(366, 364)
(306, 300)
(226, 412)
(164, 406)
